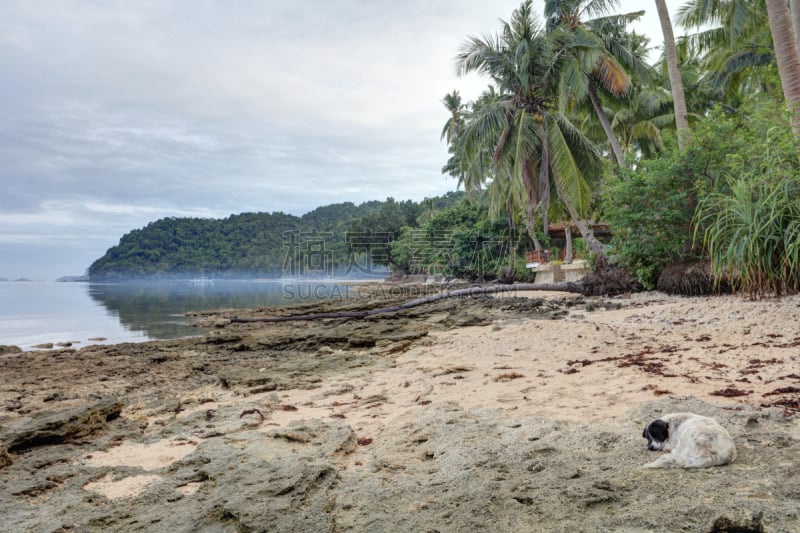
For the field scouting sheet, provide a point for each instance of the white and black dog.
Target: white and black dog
(693, 441)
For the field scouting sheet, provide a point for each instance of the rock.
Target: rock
(748, 525)
(44, 346)
(283, 481)
(63, 425)
(5, 458)
(327, 438)
(6, 349)
(220, 337)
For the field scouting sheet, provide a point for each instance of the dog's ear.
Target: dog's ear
(659, 430)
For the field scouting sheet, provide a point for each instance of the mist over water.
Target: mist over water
(48, 312)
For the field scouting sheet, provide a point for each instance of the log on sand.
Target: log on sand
(472, 291)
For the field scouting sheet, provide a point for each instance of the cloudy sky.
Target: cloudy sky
(115, 113)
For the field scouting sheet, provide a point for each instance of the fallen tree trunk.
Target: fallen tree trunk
(472, 291)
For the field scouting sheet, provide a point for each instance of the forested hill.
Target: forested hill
(257, 244)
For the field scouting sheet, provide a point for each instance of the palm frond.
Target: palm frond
(612, 77)
(739, 61)
(565, 169)
(598, 8)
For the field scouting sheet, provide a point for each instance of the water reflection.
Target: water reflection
(157, 308)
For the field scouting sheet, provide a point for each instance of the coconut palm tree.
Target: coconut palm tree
(529, 138)
(676, 84)
(452, 101)
(638, 122)
(733, 41)
(469, 162)
(605, 65)
(783, 38)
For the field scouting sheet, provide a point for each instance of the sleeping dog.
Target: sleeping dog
(693, 441)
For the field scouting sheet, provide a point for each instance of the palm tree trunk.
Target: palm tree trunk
(530, 225)
(674, 71)
(530, 208)
(586, 232)
(568, 238)
(616, 150)
(786, 54)
(794, 7)
(544, 180)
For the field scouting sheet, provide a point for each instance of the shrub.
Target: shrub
(753, 233)
(650, 211)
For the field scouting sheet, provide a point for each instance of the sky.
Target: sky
(116, 113)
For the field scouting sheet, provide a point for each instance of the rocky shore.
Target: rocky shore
(520, 412)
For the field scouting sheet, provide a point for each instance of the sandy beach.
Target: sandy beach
(373, 403)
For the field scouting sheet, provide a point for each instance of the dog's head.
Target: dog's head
(656, 433)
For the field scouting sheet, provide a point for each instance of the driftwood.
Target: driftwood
(472, 291)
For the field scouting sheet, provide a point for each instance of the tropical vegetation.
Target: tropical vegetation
(688, 159)
(258, 244)
(449, 236)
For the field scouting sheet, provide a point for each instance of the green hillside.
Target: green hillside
(259, 244)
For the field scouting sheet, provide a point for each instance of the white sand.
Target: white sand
(146, 456)
(128, 487)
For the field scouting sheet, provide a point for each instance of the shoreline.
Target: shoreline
(412, 401)
(113, 330)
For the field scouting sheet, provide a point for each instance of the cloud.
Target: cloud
(114, 113)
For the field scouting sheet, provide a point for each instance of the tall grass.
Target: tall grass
(752, 231)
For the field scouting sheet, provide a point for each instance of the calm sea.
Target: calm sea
(42, 312)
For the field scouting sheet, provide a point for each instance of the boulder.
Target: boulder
(58, 426)
(6, 349)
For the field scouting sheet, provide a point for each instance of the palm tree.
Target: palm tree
(452, 101)
(639, 120)
(732, 42)
(469, 162)
(530, 140)
(602, 64)
(678, 95)
(783, 38)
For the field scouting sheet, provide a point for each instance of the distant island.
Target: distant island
(70, 279)
(267, 245)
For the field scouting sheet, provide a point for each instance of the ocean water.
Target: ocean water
(42, 312)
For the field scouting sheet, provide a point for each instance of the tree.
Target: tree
(783, 38)
(675, 81)
(452, 101)
(602, 64)
(468, 162)
(638, 123)
(529, 138)
(732, 45)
